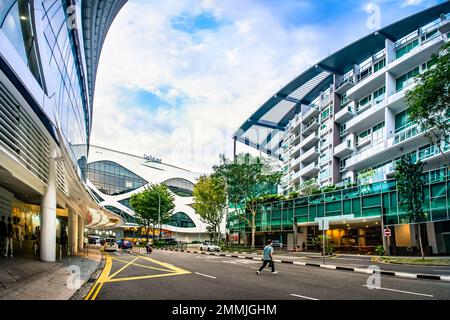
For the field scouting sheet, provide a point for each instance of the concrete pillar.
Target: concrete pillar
(80, 233)
(389, 124)
(390, 51)
(431, 233)
(391, 85)
(73, 232)
(48, 213)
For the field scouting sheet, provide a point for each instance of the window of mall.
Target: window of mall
(26, 221)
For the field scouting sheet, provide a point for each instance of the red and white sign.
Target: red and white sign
(387, 232)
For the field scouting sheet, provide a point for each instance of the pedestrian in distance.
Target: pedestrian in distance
(9, 239)
(3, 233)
(268, 258)
(149, 248)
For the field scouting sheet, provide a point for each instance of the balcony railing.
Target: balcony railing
(406, 134)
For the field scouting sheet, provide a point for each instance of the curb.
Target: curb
(91, 280)
(398, 274)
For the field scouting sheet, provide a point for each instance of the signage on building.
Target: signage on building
(152, 159)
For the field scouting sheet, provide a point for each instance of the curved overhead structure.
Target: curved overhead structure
(98, 15)
(49, 55)
(265, 129)
(109, 172)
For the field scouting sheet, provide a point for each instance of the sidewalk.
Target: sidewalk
(26, 278)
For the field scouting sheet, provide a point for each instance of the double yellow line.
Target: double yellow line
(93, 293)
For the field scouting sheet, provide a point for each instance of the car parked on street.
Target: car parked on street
(208, 246)
(94, 240)
(111, 245)
(125, 245)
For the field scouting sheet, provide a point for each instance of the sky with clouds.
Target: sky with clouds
(177, 78)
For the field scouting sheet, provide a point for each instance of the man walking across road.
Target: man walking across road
(268, 258)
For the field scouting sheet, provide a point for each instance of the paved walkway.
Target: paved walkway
(26, 278)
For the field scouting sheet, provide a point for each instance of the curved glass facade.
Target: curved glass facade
(181, 187)
(121, 213)
(113, 179)
(66, 75)
(181, 220)
(18, 25)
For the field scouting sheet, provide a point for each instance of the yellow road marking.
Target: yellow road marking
(99, 283)
(148, 277)
(143, 266)
(123, 268)
(170, 270)
(165, 265)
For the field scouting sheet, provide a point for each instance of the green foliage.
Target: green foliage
(246, 179)
(147, 203)
(429, 101)
(293, 195)
(379, 249)
(328, 188)
(365, 176)
(410, 185)
(268, 198)
(210, 200)
(329, 247)
(309, 188)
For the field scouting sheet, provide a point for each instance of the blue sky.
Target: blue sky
(177, 78)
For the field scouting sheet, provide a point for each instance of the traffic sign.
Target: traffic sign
(387, 232)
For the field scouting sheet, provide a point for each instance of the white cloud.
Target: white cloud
(221, 75)
(212, 81)
(407, 3)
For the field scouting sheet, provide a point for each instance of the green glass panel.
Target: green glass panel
(302, 219)
(320, 211)
(439, 203)
(356, 206)
(347, 207)
(440, 214)
(333, 207)
(391, 219)
(371, 201)
(438, 189)
(370, 212)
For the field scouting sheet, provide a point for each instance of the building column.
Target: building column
(431, 233)
(48, 213)
(73, 232)
(80, 233)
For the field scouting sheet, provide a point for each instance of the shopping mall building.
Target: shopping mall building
(49, 54)
(345, 122)
(113, 177)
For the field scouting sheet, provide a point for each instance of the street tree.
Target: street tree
(246, 179)
(210, 201)
(429, 101)
(153, 206)
(410, 186)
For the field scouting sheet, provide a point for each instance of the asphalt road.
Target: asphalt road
(365, 261)
(166, 275)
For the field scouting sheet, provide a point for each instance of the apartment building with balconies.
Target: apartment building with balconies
(348, 114)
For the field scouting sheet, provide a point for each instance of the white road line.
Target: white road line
(406, 292)
(116, 253)
(406, 275)
(205, 275)
(303, 297)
